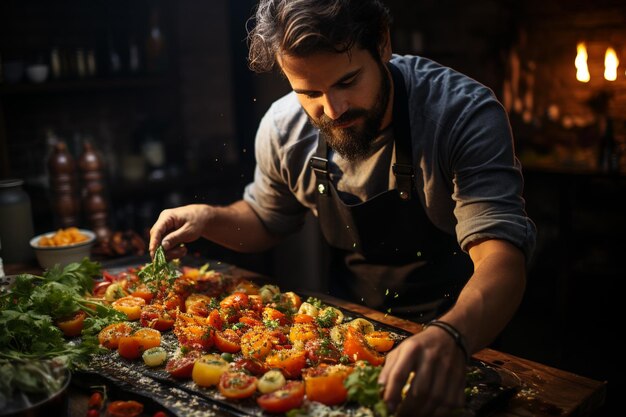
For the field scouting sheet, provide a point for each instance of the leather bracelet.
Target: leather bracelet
(454, 333)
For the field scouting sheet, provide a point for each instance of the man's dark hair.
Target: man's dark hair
(303, 27)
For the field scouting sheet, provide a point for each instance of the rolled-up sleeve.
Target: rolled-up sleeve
(269, 194)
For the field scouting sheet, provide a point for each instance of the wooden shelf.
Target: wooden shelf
(83, 85)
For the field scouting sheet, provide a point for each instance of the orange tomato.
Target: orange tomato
(303, 318)
(72, 326)
(272, 314)
(324, 383)
(379, 340)
(227, 341)
(356, 348)
(109, 337)
(303, 332)
(289, 361)
(236, 301)
(256, 343)
(131, 347)
(129, 305)
(142, 291)
(215, 320)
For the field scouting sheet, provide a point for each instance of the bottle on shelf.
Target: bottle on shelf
(94, 202)
(63, 186)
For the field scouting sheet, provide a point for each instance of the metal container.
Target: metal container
(16, 222)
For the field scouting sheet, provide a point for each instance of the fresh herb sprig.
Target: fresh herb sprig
(363, 388)
(159, 272)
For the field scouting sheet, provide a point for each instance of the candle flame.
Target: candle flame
(610, 64)
(582, 71)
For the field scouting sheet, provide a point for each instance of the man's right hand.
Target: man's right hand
(178, 226)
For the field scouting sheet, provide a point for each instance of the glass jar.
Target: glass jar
(16, 222)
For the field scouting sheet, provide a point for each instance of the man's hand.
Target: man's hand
(177, 226)
(438, 384)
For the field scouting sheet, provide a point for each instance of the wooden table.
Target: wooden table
(546, 391)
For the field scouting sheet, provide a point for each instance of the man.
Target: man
(408, 165)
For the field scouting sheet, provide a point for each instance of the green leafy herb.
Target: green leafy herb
(159, 272)
(363, 388)
(315, 302)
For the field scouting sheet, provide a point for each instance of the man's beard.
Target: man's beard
(355, 142)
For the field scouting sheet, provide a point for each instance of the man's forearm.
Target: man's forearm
(492, 295)
(237, 227)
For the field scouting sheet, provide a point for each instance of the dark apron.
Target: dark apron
(386, 253)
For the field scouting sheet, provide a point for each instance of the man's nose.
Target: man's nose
(334, 106)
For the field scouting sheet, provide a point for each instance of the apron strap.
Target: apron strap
(319, 164)
(403, 167)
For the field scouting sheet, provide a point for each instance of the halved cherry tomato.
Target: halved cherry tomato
(288, 397)
(303, 318)
(156, 317)
(109, 337)
(303, 332)
(379, 340)
(272, 314)
(254, 366)
(100, 288)
(72, 326)
(256, 343)
(131, 347)
(356, 348)
(227, 341)
(125, 408)
(182, 367)
(322, 351)
(289, 361)
(236, 301)
(142, 291)
(215, 320)
(324, 383)
(129, 305)
(237, 384)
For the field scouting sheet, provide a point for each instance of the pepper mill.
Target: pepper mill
(94, 202)
(65, 202)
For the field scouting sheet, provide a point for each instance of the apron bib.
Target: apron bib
(386, 253)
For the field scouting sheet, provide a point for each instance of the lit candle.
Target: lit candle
(582, 71)
(610, 64)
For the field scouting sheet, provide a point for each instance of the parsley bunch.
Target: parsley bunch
(363, 388)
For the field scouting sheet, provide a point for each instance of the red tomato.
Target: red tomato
(321, 351)
(254, 366)
(289, 361)
(100, 288)
(93, 413)
(237, 384)
(182, 367)
(72, 326)
(124, 408)
(95, 401)
(156, 317)
(159, 414)
(227, 341)
(142, 291)
(288, 397)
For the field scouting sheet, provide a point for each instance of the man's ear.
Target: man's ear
(385, 47)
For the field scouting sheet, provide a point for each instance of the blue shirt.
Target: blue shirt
(467, 175)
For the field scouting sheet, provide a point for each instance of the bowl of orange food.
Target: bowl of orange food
(63, 246)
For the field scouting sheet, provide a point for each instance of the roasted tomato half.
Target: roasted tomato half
(109, 337)
(324, 383)
(182, 366)
(237, 384)
(72, 326)
(288, 397)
